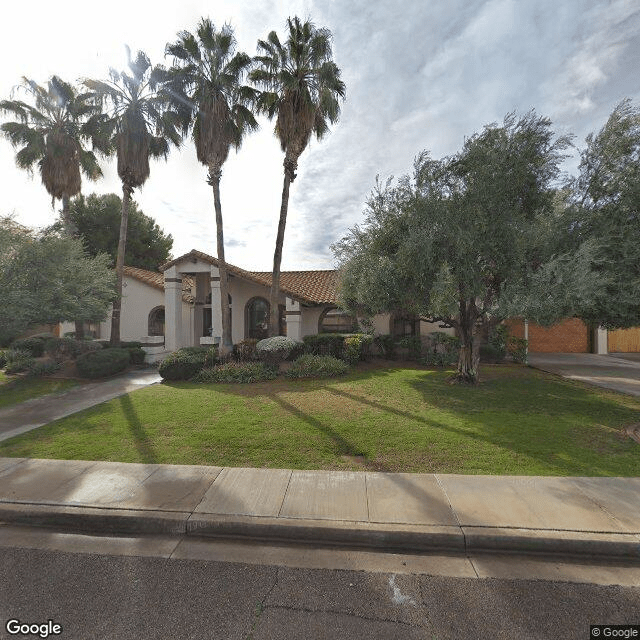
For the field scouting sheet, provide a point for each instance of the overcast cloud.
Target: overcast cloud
(419, 75)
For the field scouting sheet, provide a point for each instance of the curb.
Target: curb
(376, 536)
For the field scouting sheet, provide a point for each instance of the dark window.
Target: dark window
(405, 326)
(336, 321)
(256, 318)
(156, 322)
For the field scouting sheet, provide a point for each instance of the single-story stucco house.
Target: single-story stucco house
(180, 306)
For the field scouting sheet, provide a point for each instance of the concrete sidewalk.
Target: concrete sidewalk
(34, 413)
(408, 512)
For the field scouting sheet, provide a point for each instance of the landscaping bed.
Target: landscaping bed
(517, 421)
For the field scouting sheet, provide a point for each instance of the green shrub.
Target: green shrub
(518, 349)
(3, 358)
(356, 347)
(277, 349)
(245, 350)
(325, 344)
(443, 350)
(413, 345)
(42, 368)
(103, 363)
(490, 354)
(184, 363)
(33, 344)
(136, 355)
(386, 345)
(233, 372)
(498, 341)
(61, 349)
(15, 355)
(312, 366)
(20, 363)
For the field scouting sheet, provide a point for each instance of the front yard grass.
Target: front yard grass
(18, 389)
(518, 421)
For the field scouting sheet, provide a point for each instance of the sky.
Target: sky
(421, 75)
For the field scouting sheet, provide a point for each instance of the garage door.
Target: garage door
(568, 336)
(624, 340)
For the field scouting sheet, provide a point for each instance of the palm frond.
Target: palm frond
(89, 165)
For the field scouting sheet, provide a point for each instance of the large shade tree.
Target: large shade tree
(301, 89)
(96, 219)
(53, 131)
(206, 88)
(142, 127)
(461, 241)
(47, 277)
(604, 208)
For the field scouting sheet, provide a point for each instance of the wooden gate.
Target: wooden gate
(624, 340)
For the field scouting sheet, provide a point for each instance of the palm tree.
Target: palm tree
(205, 85)
(142, 127)
(301, 87)
(53, 134)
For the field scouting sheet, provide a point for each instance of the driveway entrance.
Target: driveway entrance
(620, 372)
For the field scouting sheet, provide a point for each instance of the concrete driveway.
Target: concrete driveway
(618, 371)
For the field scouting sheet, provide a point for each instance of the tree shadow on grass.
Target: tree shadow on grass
(141, 440)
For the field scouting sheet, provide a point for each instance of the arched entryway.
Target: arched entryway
(156, 322)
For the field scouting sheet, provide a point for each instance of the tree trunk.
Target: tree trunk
(227, 343)
(71, 231)
(122, 245)
(469, 354)
(274, 299)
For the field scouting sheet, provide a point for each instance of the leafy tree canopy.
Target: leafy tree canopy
(603, 208)
(96, 219)
(463, 240)
(48, 278)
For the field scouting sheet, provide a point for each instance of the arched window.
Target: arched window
(404, 326)
(334, 320)
(156, 322)
(256, 318)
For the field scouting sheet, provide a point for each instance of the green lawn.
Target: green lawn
(18, 389)
(517, 421)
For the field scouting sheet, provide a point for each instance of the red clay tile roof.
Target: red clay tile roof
(156, 280)
(311, 287)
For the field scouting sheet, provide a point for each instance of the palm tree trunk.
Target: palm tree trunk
(274, 298)
(68, 228)
(227, 343)
(122, 244)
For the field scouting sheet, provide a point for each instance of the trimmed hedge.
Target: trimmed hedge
(278, 348)
(3, 358)
(311, 366)
(234, 372)
(325, 344)
(185, 363)
(103, 363)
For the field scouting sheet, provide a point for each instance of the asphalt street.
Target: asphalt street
(94, 596)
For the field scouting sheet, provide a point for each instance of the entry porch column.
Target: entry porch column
(216, 310)
(173, 309)
(293, 315)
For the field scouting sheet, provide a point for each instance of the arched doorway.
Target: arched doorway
(156, 322)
